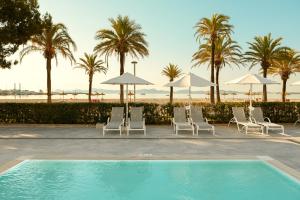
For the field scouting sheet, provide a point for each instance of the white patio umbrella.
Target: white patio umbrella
(296, 83)
(251, 79)
(188, 81)
(127, 79)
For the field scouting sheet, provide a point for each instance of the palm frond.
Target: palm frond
(263, 51)
(125, 37)
(53, 40)
(171, 71)
(29, 49)
(287, 62)
(227, 51)
(91, 64)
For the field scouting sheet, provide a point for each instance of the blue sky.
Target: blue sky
(170, 33)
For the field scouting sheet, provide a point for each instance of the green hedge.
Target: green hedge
(86, 113)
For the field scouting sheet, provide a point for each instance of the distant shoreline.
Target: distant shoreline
(139, 100)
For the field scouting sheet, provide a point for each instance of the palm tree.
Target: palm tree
(53, 40)
(212, 29)
(227, 52)
(263, 51)
(125, 37)
(171, 71)
(287, 62)
(91, 65)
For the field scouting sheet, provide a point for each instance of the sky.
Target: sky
(169, 26)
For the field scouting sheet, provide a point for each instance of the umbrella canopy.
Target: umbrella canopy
(251, 79)
(127, 79)
(190, 80)
(296, 83)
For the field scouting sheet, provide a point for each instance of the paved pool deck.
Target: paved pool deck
(19, 142)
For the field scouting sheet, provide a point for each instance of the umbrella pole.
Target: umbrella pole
(250, 106)
(190, 97)
(126, 117)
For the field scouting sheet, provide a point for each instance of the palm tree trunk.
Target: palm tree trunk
(283, 89)
(217, 82)
(122, 62)
(90, 87)
(171, 95)
(265, 95)
(48, 80)
(212, 73)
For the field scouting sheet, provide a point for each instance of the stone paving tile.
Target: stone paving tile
(76, 131)
(87, 142)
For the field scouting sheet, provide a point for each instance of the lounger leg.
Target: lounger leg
(282, 128)
(246, 128)
(267, 130)
(213, 130)
(230, 121)
(193, 130)
(238, 127)
(197, 130)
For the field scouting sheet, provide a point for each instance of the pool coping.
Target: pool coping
(292, 173)
(9, 165)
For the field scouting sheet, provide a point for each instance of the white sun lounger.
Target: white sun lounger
(258, 118)
(115, 122)
(199, 122)
(180, 121)
(241, 120)
(136, 121)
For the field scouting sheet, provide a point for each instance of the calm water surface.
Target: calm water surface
(147, 180)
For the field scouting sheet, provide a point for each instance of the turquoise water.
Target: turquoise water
(147, 180)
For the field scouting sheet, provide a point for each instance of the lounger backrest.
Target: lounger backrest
(239, 114)
(117, 114)
(136, 114)
(179, 114)
(196, 114)
(257, 114)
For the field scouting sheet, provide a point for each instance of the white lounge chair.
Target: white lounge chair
(258, 118)
(241, 120)
(136, 121)
(115, 122)
(180, 121)
(196, 118)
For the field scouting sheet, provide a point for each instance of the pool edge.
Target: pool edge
(286, 170)
(10, 165)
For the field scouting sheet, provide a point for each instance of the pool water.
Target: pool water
(147, 180)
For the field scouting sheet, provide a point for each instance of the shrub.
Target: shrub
(91, 113)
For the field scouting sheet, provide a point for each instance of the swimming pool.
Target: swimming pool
(147, 180)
